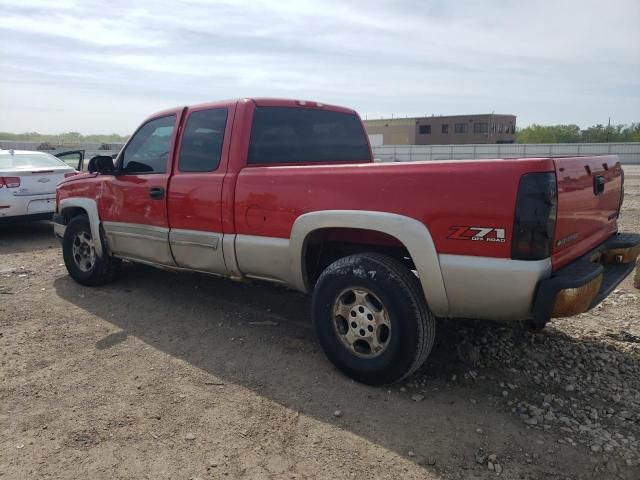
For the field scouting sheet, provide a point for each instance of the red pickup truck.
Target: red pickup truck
(287, 191)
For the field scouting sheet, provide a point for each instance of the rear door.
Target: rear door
(195, 193)
(133, 202)
(589, 190)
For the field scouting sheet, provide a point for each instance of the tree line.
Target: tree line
(574, 134)
(532, 134)
(63, 138)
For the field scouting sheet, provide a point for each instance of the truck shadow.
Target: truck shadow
(259, 336)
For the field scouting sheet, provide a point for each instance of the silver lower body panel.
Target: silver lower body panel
(491, 288)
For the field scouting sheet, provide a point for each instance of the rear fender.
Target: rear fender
(413, 234)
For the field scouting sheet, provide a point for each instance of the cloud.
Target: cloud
(561, 61)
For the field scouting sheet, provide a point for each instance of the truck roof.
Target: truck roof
(259, 101)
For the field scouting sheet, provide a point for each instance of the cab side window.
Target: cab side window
(202, 141)
(148, 150)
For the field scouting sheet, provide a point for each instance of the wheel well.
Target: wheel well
(324, 246)
(71, 212)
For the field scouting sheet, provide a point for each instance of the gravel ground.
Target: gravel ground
(164, 375)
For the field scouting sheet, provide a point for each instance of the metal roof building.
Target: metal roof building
(442, 130)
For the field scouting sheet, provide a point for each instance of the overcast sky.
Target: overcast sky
(101, 67)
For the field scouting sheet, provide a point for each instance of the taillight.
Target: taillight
(9, 182)
(535, 220)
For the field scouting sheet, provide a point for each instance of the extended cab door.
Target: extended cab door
(195, 192)
(133, 202)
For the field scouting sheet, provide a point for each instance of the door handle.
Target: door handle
(156, 193)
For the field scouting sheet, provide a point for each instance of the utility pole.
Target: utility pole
(608, 129)
(489, 127)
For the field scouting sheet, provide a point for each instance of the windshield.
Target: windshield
(26, 161)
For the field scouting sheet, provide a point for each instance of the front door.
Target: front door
(133, 203)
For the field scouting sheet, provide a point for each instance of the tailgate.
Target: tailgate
(589, 190)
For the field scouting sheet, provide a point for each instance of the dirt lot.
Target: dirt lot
(163, 375)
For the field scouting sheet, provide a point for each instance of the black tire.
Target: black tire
(412, 326)
(99, 271)
(535, 326)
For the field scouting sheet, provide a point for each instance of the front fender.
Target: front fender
(90, 206)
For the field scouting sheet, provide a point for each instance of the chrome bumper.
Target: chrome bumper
(583, 284)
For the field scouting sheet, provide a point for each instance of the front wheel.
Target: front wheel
(371, 318)
(80, 257)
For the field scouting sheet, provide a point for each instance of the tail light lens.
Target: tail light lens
(535, 220)
(9, 182)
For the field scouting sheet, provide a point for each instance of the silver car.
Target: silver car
(28, 184)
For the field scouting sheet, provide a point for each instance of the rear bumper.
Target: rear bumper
(587, 281)
(26, 207)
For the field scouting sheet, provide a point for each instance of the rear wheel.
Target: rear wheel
(83, 263)
(371, 318)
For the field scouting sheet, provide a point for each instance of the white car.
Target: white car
(28, 184)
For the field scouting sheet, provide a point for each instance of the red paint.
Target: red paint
(269, 199)
(195, 199)
(266, 200)
(126, 198)
(582, 212)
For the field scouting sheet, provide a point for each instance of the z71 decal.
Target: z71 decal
(478, 234)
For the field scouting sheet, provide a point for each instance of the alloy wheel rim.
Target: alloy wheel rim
(84, 252)
(361, 322)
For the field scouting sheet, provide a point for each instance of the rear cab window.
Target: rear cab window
(286, 135)
(202, 140)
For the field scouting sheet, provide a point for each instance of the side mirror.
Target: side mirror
(101, 164)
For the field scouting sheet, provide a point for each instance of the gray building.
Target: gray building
(442, 130)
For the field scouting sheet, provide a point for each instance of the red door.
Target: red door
(133, 202)
(195, 192)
